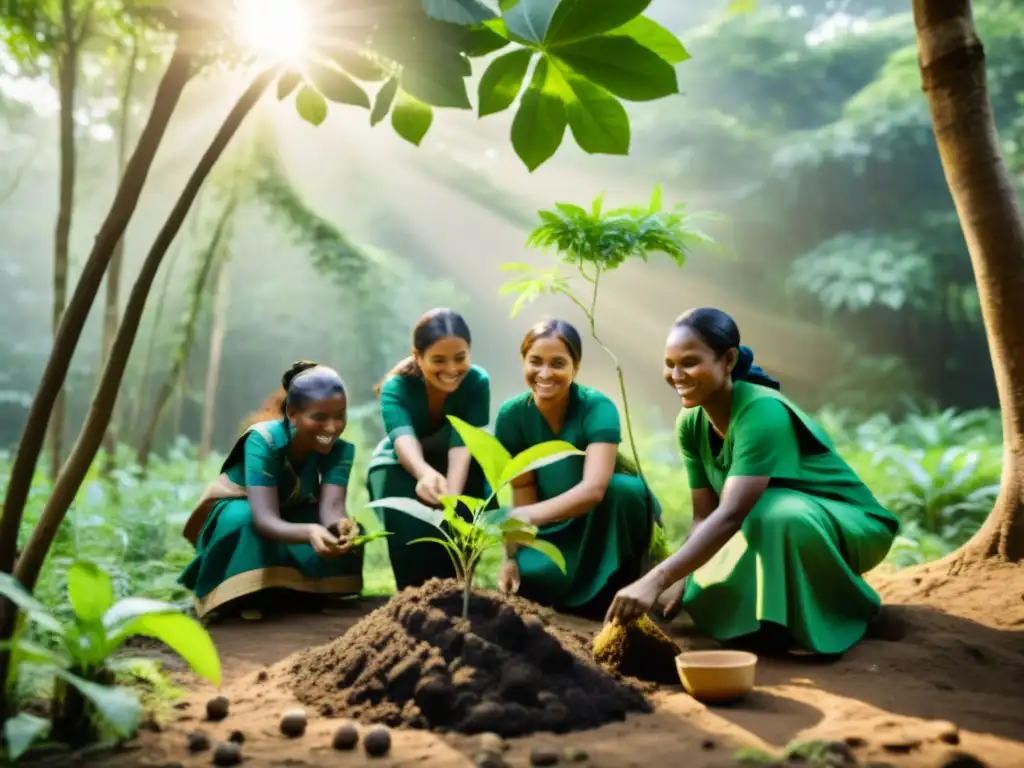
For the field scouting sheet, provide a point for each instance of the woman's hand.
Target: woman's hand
(325, 543)
(634, 601)
(509, 577)
(522, 514)
(670, 601)
(431, 487)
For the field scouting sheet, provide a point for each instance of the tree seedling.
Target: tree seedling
(467, 541)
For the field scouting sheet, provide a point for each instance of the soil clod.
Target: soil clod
(217, 708)
(293, 723)
(377, 741)
(639, 649)
(962, 760)
(485, 759)
(227, 753)
(415, 662)
(574, 755)
(492, 742)
(237, 737)
(346, 736)
(541, 756)
(198, 742)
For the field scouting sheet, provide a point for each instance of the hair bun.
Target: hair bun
(299, 366)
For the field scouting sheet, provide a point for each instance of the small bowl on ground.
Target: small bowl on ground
(717, 677)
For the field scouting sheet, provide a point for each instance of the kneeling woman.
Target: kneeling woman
(782, 526)
(268, 528)
(421, 455)
(599, 514)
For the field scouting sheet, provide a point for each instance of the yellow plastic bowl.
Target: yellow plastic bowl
(716, 676)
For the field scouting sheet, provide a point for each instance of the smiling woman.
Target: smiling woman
(275, 29)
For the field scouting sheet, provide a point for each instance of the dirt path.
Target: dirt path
(934, 682)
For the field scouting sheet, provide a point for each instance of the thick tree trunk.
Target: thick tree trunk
(82, 299)
(67, 77)
(953, 76)
(91, 435)
(111, 306)
(218, 328)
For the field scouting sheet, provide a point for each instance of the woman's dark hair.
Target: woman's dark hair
(303, 383)
(558, 329)
(719, 331)
(433, 326)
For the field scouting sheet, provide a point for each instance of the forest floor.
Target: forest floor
(942, 674)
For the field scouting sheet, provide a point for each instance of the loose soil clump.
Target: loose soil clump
(640, 649)
(415, 662)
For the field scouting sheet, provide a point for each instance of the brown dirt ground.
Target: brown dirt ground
(943, 672)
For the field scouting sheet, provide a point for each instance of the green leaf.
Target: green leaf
(655, 202)
(494, 518)
(537, 456)
(652, 35)
(502, 81)
(365, 539)
(34, 610)
(27, 652)
(437, 82)
(484, 447)
(622, 66)
(485, 39)
(119, 706)
(549, 549)
(336, 86)
(383, 101)
(539, 124)
(411, 507)
(519, 536)
(182, 634)
(411, 118)
(358, 65)
(311, 105)
(21, 731)
(90, 591)
(741, 6)
(287, 82)
(472, 503)
(579, 19)
(458, 11)
(529, 19)
(125, 611)
(598, 121)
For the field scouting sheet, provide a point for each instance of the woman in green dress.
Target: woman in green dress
(421, 455)
(273, 526)
(783, 528)
(594, 508)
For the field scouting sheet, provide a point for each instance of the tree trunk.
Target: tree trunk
(218, 328)
(188, 331)
(110, 313)
(77, 311)
(67, 76)
(91, 435)
(952, 63)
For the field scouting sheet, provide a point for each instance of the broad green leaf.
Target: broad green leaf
(741, 6)
(519, 536)
(34, 610)
(312, 107)
(484, 447)
(529, 19)
(462, 527)
(21, 731)
(438, 82)
(336, 86)
(539, 124)
(579, 19)
(182, 634)
(598, 121)
(411, 118)
(119, 706)
(358, 65)
(27, 652)
(515, 524)
(505, 5)
(622, 66)
(458, 11)
(287, 82)
(90, 591)
(549, 549)
(484, 39)
(537, 456)
(472, 503)
(383, 101)
(494, 517)
(502, 81)
(129, 609)
(652, 35)
(411, 507)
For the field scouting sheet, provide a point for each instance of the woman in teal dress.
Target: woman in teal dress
(270, 528)
(421, 455)
(594, 508)
(783, 528)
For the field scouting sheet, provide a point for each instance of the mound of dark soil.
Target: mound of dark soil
(416, 662)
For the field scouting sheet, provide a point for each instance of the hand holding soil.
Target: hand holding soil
(325, 543)
(633, 601)
(431, 487)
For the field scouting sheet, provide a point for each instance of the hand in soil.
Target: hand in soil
(508, 578)
(633, 601)
(217, 708)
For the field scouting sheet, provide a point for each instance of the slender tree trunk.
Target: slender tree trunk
(77, 311)
(218, 328)
(91, 435)
(953, 76)
(67, 76)
(179, 362)
(110, 313)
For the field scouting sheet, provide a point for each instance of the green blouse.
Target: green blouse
(266, 461)
(404, 411)
(590, 417)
